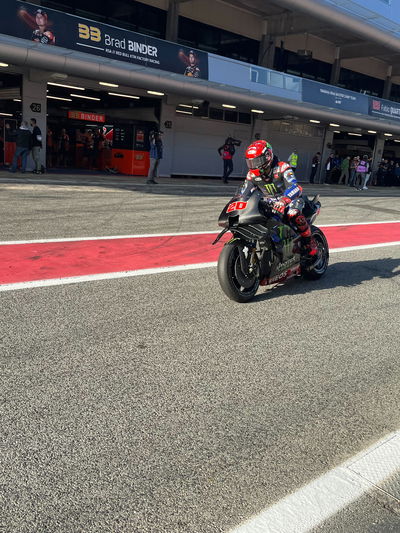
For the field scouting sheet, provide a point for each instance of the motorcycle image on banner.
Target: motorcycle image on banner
(263, 250)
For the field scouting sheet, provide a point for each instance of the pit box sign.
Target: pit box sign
(89, 117)
(36, 108)
(384, 109)
(49, 27)
(334, 97)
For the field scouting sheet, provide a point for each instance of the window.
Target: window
(216, 114)
(128, 14)
(231, 116)
(217, 41)
(245, 118)
(361, 83)
(292, 63)
(395, 94)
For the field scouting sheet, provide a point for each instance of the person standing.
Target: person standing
(316, 160)
(397, 174)
(367, 175)
(227, 151)
(361, 171)
(23, 140)
(99, 149)
(36, 146)
(352, 174)
(344, 171)
(329, 166)
(337, 161)
(63, 148)
(381, 173)
(390, 174)
(156, 154)
(49, 148)
(293, 160)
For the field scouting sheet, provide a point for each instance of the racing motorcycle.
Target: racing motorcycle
(263, 250)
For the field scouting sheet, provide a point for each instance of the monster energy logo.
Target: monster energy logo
(287, 263)
(286, 239)
(270, 187)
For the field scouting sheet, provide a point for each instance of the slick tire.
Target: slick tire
(235, 284)
(320, 265)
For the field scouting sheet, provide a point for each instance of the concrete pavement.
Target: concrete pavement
(76, 206)
(156, 405)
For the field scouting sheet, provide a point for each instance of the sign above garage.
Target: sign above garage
(54, 28)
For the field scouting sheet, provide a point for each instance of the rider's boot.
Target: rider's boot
(309, 245)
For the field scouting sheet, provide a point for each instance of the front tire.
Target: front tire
(238, 286)
(319, 265)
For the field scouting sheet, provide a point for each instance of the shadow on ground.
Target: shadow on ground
(343, 274)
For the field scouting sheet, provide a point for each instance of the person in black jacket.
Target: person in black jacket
(316, 160)
(227, 151)
(23, 139)
(36, 146)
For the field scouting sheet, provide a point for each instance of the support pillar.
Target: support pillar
(34, 105)
(168, 118)
(387, 88)
(335, 73)
(172, 21)
(325, 152)
(266, 54)
(377, 153)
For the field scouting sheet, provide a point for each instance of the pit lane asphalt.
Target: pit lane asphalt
(154, 404)
(78, 207)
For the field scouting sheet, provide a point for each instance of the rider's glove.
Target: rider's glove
(280, 205)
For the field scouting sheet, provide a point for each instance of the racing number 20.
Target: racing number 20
(236, 206)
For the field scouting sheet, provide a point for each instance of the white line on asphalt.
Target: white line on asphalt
(112, 237)
(148, 271)
(364, 247)
(147, 235)
(314, 503)
(101, 277)
(360, 223)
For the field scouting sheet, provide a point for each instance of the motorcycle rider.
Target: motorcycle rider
(276, 180)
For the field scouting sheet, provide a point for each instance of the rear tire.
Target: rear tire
(320, 264)
(235, 284)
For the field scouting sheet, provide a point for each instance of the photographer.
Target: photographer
(227, 151)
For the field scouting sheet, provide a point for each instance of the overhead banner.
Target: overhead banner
(54, 28)
(335, 97)
(384, 109)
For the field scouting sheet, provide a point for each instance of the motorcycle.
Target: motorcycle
(263, 250)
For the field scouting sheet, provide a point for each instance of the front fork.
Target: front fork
(245, 260)
(249, 259)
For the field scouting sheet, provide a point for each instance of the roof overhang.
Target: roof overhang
(60, 60)
(336, 18)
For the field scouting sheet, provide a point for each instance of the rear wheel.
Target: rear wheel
(238, 285)
(316, 267)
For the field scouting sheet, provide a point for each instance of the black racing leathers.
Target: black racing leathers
(280, 183)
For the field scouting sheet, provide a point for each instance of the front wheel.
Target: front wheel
(319, 265)
(238, 285)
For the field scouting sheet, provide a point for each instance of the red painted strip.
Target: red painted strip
(29, 262)
(340, 236)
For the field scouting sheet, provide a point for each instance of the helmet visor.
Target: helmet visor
(256, 162)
